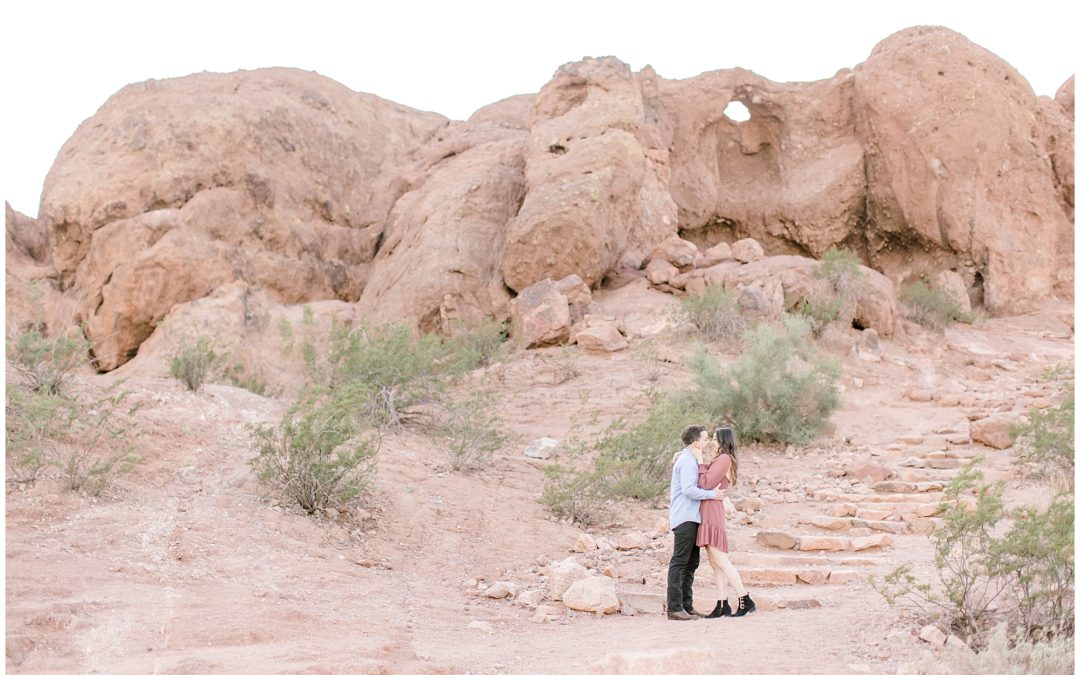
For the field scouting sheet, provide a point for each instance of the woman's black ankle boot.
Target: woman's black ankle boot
(746, 605)
(722, 609)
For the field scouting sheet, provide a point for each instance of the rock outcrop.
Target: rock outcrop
(932, 156)
(278, 177)
(957, 175)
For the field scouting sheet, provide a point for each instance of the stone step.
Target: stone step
(856, 498)
(834, 523)
(891, 510)
(804, 542)
(781, 576)
(907, 487)
(925, 475)
(795, 559)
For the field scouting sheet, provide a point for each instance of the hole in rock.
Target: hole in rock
(857, 325)
(737, 111)
(557, 149)
(976, 293)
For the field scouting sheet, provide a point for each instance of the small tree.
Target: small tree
(931, 306)
(781, 389)
(319, 455)
(715, 313)
(47, 363)
(471, 430)
(195, 363)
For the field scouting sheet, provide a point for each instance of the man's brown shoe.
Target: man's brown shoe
(680, 616)
(696, 614)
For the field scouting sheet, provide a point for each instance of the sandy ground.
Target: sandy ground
(189, 565)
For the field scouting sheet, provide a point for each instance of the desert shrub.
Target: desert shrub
(239, 376)
(634, 460)
(843, 271)
(195, 364)
(931, 306)
(319, 454)
(780, 389)
(991, 574)
(476, 344)
(394, 369)
(471, 430)
(46, 363)
(821, 310)
(715, 313)
(88, 441)
(1047, 442)
(577, 496)
(1003, 656)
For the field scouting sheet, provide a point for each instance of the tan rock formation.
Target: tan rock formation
(587, 188)
(954, 166)
(279, 177)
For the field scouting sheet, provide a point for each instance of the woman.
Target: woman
(712, 534)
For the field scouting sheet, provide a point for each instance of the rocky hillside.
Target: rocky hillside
(933, 155)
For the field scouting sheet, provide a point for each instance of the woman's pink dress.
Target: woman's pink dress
(712, 531)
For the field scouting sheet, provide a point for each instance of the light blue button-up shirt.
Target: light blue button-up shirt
(686, 496)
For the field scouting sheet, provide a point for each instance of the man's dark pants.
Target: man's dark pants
(684, 562)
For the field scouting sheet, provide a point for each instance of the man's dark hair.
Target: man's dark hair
(692, 433)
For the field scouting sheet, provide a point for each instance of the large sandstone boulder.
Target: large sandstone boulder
(955, 167)
(438, 261)
(279, 177)
(587, 177)
(1058, 123)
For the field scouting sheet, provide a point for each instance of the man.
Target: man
(684, 516)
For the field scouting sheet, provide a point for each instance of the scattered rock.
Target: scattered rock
(542, 448)
(584, 543)
(675, 251)
(814, 577)
(870, 471)
(600, 334)
(530, 598)
(776, 539)
(540, 315)
(660, 272)
(501, 589)
(482, 626)
(837, 577)
(749, 504)
(632, 540)
(934, 635)
(993, 431)
(715, 255)
(563, 575)
(592, 594)
(873, 541)
(747, 250)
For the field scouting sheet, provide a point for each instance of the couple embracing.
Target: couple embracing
(706, 466)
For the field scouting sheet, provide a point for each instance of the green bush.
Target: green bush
(239, 376)
(1003, 656)
(931, 306)
(781, 389)
(393, 367)
(319, 454)
(578, 497)
(991, 575)
(195, 364)
(634, 460)
(46, 363)
(476, 344)
(843, 270)
(1047, 442)
(821, 310)
(471, 430)
(90, 442)
(715, 313)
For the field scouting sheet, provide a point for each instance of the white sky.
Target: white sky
(61, 61)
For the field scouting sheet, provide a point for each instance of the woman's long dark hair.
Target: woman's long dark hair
(725, 436)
